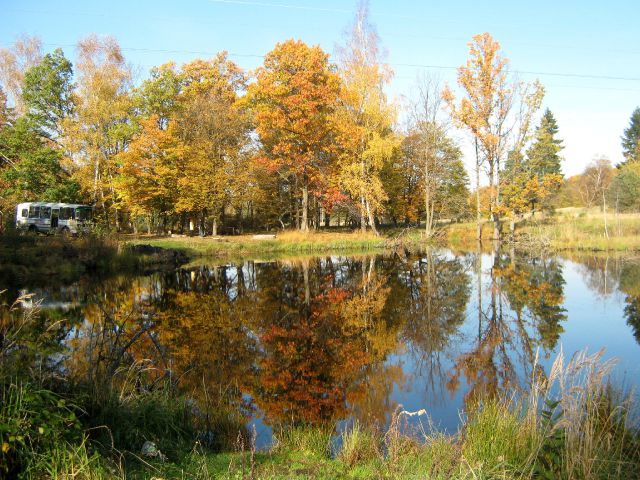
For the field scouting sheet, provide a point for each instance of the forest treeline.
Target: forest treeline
(301, 142)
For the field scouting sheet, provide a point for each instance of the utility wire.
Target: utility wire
(411, 65)
(321, 9)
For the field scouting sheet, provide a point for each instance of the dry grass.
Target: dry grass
(568, 229)
(285, 242)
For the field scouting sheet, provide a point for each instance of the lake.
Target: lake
(333, 339)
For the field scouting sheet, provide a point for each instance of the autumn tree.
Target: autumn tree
(595, 180)
(484, 111)
(211, 123)
(24, 53)
(294, 97)
(631, 138)
(147, 181)
(101, 126)
(366, 119)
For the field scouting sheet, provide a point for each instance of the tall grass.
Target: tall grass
(572, 425)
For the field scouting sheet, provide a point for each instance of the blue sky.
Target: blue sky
(569, 45)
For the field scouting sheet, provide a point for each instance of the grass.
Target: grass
(285, 242)
(568, 229)
(572, 425)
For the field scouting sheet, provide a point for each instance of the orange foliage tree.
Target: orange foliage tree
(295, 94)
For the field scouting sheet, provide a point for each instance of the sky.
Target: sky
(586, 53)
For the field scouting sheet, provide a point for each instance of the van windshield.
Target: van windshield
(83, 213)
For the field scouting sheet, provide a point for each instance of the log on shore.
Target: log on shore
(264, 237)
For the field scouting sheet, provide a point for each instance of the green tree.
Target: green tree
(30, 169)
(47, 92)
(543, 156)
(631, 138)
(624, 191)
(159, 94)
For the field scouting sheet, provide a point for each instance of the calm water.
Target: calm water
(334, 338)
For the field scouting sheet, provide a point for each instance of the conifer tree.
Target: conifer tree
(543, 155)
(631, 138)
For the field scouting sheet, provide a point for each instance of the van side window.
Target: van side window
(24, 213)
(45, 212)
(34, 212)
(66, 213)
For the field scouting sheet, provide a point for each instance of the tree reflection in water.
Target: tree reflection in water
(607, 275)
(523, 313)
(315, 340)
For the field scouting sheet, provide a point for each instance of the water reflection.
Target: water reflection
(318, 340)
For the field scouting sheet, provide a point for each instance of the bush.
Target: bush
(33, 422)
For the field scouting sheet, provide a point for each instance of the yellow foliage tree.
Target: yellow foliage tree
(365, 118)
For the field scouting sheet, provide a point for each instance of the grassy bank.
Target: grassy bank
(568, 229)
(573, 425)
(39, 259)
(289, 242)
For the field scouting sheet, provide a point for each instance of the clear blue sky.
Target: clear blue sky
(577, 38)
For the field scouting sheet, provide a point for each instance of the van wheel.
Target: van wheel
(33, 230)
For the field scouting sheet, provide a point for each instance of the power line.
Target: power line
(527, 72)
(323, 9)
(282, 5)
(410, 65)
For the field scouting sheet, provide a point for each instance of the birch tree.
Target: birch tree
(366, 118)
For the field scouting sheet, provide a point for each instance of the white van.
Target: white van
(43, 217)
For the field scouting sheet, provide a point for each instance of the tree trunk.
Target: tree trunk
(214, 227)
(372, 220)
(604, 211)
(427, 208)
(304, 226)
(202, 226)
(363, 209)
